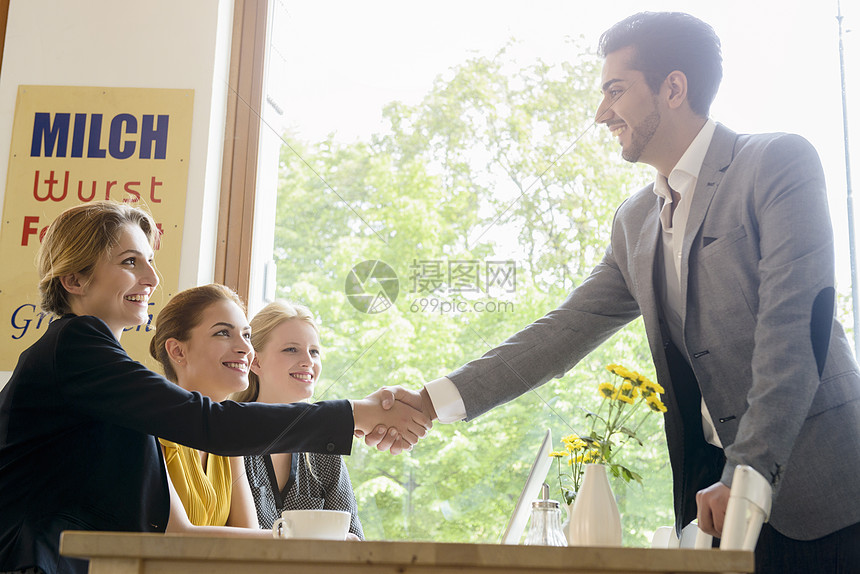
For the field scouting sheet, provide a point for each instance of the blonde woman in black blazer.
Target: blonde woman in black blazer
(78, 418)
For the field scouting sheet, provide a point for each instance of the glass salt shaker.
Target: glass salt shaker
(545, 525)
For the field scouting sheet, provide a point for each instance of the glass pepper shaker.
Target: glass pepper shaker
(545, 524)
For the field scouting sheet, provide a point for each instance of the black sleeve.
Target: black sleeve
(97, 377)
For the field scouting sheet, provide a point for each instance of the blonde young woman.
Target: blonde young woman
(286, 369)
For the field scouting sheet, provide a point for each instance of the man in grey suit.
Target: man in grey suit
(728, 257)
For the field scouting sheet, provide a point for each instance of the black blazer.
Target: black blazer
(78, 421)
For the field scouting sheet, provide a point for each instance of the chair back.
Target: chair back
(665, 537)
(748, 508)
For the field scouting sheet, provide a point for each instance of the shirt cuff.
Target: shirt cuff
(446, 400)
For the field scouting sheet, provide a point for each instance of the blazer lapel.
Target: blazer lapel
(717, 160)
(647, 251)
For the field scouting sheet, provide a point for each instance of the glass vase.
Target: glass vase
(565, 526)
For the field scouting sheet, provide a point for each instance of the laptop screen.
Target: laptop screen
(517, 523)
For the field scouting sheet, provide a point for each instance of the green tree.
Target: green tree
(499, 162)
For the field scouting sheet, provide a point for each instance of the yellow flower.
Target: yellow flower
(570, 438)
(629, 390)
(655, 404)
(622, 372)
(573, 443)
(622, 398)
(649, 388)
(558, 454)
(589, 456)
(606, 390)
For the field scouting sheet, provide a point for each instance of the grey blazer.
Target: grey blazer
(773, 365)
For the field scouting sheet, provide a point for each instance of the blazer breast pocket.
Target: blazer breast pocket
(712, 245)
(724, 276)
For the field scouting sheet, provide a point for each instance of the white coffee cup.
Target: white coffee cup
(316, 524)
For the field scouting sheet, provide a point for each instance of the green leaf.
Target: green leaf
(631, 434)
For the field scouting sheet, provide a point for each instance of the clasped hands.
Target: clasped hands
(393, 418)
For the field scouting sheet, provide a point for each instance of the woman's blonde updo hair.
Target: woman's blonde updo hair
(78, 239)
(262, 325)
(181, 314)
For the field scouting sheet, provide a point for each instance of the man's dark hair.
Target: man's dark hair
(667, 41)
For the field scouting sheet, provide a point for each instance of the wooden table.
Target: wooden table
(133, 553)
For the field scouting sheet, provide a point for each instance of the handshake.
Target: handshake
(393, 418)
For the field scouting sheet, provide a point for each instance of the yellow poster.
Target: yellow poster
(78, 144)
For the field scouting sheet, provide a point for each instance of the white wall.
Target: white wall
(130, 43)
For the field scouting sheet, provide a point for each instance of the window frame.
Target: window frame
(4, 20)
(233, 247)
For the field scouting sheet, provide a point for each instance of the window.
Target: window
(438, 187)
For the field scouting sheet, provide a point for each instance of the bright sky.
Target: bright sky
(780, 57)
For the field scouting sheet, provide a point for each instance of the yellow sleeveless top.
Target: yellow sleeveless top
(205, 494)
